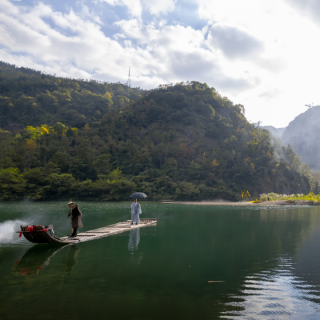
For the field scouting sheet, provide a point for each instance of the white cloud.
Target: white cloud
(270, 94)
(234, 42)
(75, 46)
(286, 58)
(310, 8)
(159, 6)
(177, 53)
(135, 7)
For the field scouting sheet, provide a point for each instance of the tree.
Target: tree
(12, 184)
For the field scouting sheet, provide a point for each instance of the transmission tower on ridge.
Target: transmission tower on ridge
(129, 80)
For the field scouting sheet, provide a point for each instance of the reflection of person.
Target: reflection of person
(76, 215)
(135, 211)
(134, 239)
(72, 258)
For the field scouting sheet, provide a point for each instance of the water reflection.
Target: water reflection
(35, 259)
(268, 259)
(39, 256)
(307, 267)
(134, 239)
(274, 214)
(71, 260)
(291, 287)
(274, 294)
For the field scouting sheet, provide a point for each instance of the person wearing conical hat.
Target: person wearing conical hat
(76, 215)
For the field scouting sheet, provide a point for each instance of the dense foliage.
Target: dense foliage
(29, 97)
(175, 142)
(292, 198)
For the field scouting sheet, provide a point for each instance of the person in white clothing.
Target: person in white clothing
(135, 211)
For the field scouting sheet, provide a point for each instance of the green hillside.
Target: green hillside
(179, 142)
(29, 97)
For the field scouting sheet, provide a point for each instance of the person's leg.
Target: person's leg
(74, 234)
(135, 218)
(132, 218)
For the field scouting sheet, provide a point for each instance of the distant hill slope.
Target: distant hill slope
(276, 132)
(303, 133)
(175, 142)
(29, 97)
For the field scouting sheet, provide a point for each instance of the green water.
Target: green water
(268, 259)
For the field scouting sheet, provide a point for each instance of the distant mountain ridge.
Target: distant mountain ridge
(276, 132)
(303, 133)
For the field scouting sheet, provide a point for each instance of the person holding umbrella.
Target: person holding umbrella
(135, 211)
(135, 207)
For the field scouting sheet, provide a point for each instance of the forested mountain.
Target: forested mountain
(175, 142)
(31, 98)
(303, 134)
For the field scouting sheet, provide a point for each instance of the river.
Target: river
(267, 262)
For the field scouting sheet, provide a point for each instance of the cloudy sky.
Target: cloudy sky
(263, 54)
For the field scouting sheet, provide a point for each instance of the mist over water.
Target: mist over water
(8, 231)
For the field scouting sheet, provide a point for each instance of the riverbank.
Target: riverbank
(246, 204)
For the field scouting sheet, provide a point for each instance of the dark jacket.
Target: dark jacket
(75, 216)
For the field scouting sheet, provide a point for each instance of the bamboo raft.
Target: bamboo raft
(40, 236)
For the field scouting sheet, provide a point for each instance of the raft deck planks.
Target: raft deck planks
(45, 237)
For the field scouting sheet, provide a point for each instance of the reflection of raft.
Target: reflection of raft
(39, 235)
(35, 259)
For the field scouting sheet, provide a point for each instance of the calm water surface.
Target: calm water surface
(268, 259)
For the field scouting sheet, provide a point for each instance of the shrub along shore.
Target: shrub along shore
(292, 197)
(269, 199)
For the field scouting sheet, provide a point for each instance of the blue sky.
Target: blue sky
(260, 53)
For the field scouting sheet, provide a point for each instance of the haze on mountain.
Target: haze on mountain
(303, 133)
(276, 132)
